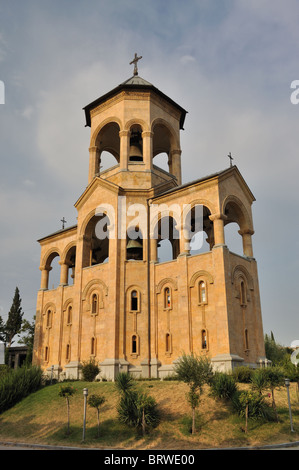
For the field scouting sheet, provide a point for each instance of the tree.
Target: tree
(96, 401)
(27, 330)
(275, 378)
(2, 330)
(14, 320)
(194, 371)
(67, 391)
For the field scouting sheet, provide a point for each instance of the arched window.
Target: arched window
(202, 292)
(134, 344)
(242, 293)
(167, 298)
(204, 342)
(69, 315)
(93, 346)
(134, 301)
(49, 319)
(94, 304)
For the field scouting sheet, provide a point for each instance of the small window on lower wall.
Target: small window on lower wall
(135, 345)
(68, 353)
(93, 346)
(204, 339)
(168, 344)
(47, 353)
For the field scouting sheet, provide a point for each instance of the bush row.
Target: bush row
(16, 384)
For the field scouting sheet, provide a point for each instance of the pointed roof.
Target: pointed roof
(137, 83)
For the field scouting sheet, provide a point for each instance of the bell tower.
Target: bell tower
(121, 302)
(135, 122)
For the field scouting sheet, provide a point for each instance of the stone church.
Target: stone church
(118, 302)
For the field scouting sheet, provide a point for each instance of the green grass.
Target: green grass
(42, 418)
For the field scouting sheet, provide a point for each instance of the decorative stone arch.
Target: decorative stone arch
(240, 272)
(110, 120)
(93, 213)
(240, 275)
(140, 293)
(66, 250)
(174, 140)
(205, 275)
(243, 218)
(49, 306)
(172, 282)
(95, 286)
(48, 257)
(136, 122)
(67, 304)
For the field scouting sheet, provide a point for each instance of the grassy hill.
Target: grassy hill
(42, 418)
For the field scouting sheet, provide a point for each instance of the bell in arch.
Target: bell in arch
(134, 249)
(135, 153)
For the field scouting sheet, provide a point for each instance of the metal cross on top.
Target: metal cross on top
(231, 159)
(134, 61)
(63, 222)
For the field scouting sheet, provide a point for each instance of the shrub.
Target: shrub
(255, 403)
(138, 410)
(242, 374)
(124, 382)
(90, 370)
(223, 386)
(17, 384)
(259, 380)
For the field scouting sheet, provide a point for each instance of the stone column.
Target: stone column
(45, 277)
(153, 249)
(247, 242)
(175, 164)
(184, 240)
(124, 149)
(147, 143)
(64, 271)
(218, 223)
(94, 162)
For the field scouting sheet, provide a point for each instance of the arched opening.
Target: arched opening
(96, 241)
(162, 147)
(168, 239)
(93, 346)
(54, 268)
(168, 343)
(237, 228)
(70, 260)
(201, 229)
(108, 144)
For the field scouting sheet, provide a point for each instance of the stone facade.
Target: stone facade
(116, 302)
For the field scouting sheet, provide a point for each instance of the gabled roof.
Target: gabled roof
(137, 83)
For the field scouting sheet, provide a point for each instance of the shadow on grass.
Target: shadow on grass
(111, 433)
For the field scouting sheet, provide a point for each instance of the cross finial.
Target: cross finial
(134, 61)
(63, 222)
(231, 159)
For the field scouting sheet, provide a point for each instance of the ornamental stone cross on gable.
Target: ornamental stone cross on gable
(134, 61)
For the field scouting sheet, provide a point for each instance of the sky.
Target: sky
(229, 63)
